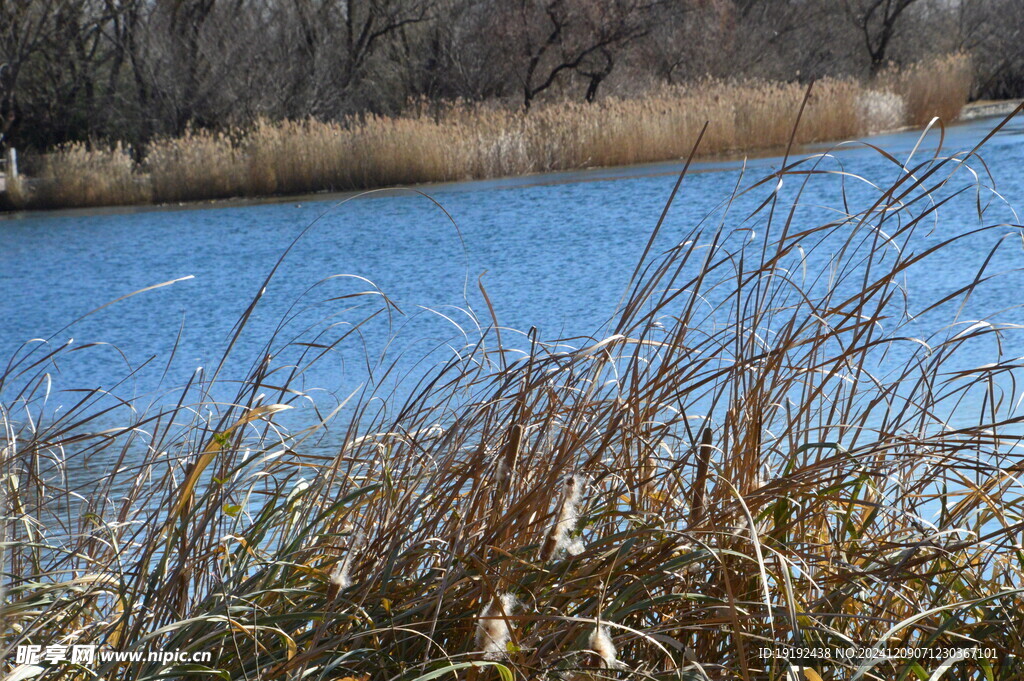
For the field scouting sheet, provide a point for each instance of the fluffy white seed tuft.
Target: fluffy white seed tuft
(492, 629)
(568, 517)
(602, 644)
(340, 577)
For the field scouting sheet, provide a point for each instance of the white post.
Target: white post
(12, 162)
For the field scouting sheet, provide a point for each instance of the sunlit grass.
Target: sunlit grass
(458, 141)
(79, 175)
(935, 88)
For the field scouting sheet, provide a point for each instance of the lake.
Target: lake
(553, 252)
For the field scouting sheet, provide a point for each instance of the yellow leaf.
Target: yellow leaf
(290, 643)
(811, 675)
(210, 452)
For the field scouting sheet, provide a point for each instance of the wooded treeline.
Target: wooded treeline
(130, 70)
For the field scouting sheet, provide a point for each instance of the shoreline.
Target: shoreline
(722, 163)
(714, 162)
(983, 108)
(461, 141)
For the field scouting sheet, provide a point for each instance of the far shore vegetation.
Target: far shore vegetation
(459, 140)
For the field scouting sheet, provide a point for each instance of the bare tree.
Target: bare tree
(131, 70)
(339, 41)
(540, 41)
(992, 31)
(877, 21)
(26, 28)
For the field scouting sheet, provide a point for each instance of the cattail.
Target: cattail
(692, 568)
(492, 630)
(507, 462)
(560, 539)
(601, 643)
(340, 578)
(510, 452)
(703, 460)
(647, 473)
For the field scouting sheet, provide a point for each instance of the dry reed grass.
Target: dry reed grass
(935, 88)
(82, 175)
(460, 141)
(756, 448)
(198, 165)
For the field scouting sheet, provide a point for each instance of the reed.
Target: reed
(459, 140)
(747, 452)
(82, 175)
(199, 165)
(934, 88)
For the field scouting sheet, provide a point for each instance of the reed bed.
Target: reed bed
(742, 457)
(81, 175)
(199, 164)
(460, 141)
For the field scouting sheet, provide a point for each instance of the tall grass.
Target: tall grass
(741, 458)
(935, 88)
(80, 175)
(196, 165)
(457, 141)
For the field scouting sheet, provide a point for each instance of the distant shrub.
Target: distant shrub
(198, 165)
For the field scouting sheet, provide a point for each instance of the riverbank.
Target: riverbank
(463, 141)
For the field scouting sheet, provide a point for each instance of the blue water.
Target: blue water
(553, 252)
(555, 256)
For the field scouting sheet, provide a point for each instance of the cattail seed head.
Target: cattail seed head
(647, 473)
(492, 629)
(602, 644)
(560, 539)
